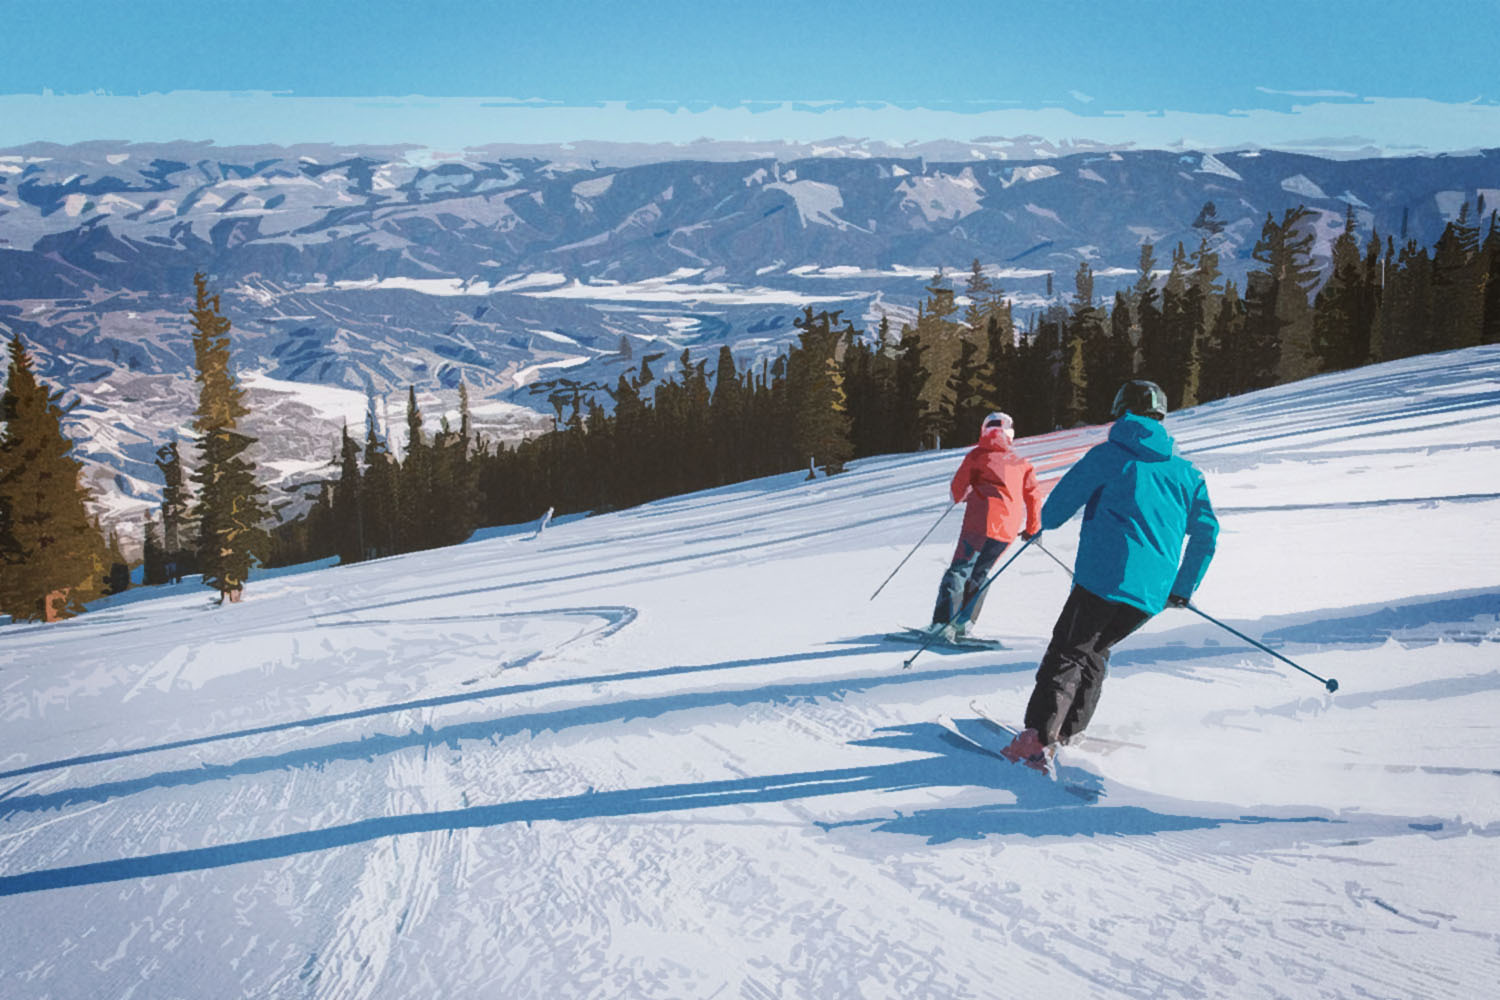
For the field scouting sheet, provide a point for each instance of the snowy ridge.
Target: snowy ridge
(665, 751)
(374, 269)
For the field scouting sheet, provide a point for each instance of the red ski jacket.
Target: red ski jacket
(1001, 489)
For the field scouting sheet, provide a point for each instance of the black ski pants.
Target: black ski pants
(1072, 671)
(958, 596)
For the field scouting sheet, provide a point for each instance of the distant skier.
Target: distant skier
(1141, 501)
(1000, 489)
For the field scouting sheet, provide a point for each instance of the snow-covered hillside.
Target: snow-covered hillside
(667, 752)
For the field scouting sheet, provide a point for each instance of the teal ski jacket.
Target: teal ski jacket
(1141, 501)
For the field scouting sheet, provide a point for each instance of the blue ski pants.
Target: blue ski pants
(959, 598)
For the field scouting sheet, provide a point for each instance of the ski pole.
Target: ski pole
(914, 549)
(982, 588)
(1054, 558)
(1331, 684)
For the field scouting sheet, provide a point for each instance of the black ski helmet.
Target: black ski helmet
(1140, 397)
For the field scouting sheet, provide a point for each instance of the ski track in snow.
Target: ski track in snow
(667, 751)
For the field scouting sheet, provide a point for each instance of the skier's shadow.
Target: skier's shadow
(1039, 808)
(1073, 805)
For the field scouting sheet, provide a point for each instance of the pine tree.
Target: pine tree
(1457, 285)
(727, 419)
(51, 551)
(1223, 371)
(1145, 303)
(1071, 402)
(348, 503)
(178, 547)
(1278, 319)
(940, 337)
(910, 418)
(1097, 365)
(1119, 366)
(1203, 295)
(1337, 340)
(117, 579)
(154, 569)
(815, 390)
(970, 391)
(1489, 324)
(414, 527)
(1166, 346)
(463, 505)
(231, 507)
(380, 498)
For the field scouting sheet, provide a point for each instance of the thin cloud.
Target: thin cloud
(1309, 93)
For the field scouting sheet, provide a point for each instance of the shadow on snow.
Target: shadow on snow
(1040, 809)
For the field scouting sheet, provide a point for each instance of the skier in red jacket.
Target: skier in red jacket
(1000, 488)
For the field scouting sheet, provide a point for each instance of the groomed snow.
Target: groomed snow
(666, 752)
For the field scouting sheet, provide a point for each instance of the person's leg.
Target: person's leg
(1120, 623)
(1071, 663)
(951, 589)
(989, 554)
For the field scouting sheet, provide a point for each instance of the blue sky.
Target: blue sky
(278, 71)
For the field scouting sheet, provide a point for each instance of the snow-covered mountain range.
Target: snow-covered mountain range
(667, 752)
(351, 272)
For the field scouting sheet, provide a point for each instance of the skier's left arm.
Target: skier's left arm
(1202, 538)
(963, 479)
(1074, 488)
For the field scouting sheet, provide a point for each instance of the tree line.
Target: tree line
(837, 393)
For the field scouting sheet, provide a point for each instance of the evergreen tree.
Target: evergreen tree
(117, 579)
(1338, 340)
(1224, 370)
(179, 548)
(154, 569)
(1119, 365)
(1278, 316)
(231, 506)
(815, 389)
(380, 500)
(50, 555)
(1407, 308)
(1489, 324)
(415, 528)
(941, 337)
(971, 393)
(629, 485)
(1146, 307)
(1097, 363)
(1457, 285)
(910, 419)
(348, 503)
(1071, 401)
(1166, 346)
(1203, 295)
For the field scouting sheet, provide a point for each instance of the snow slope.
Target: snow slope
(666, 752)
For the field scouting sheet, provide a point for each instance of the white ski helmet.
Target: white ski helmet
(1001, 420)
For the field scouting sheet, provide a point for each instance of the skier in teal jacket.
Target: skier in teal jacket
(1140, 502)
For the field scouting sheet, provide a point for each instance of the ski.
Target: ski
(981, 735)
(965, 643)
(1097, 745)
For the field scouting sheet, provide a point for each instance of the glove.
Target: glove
(1027, 536)
(1177, 601)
